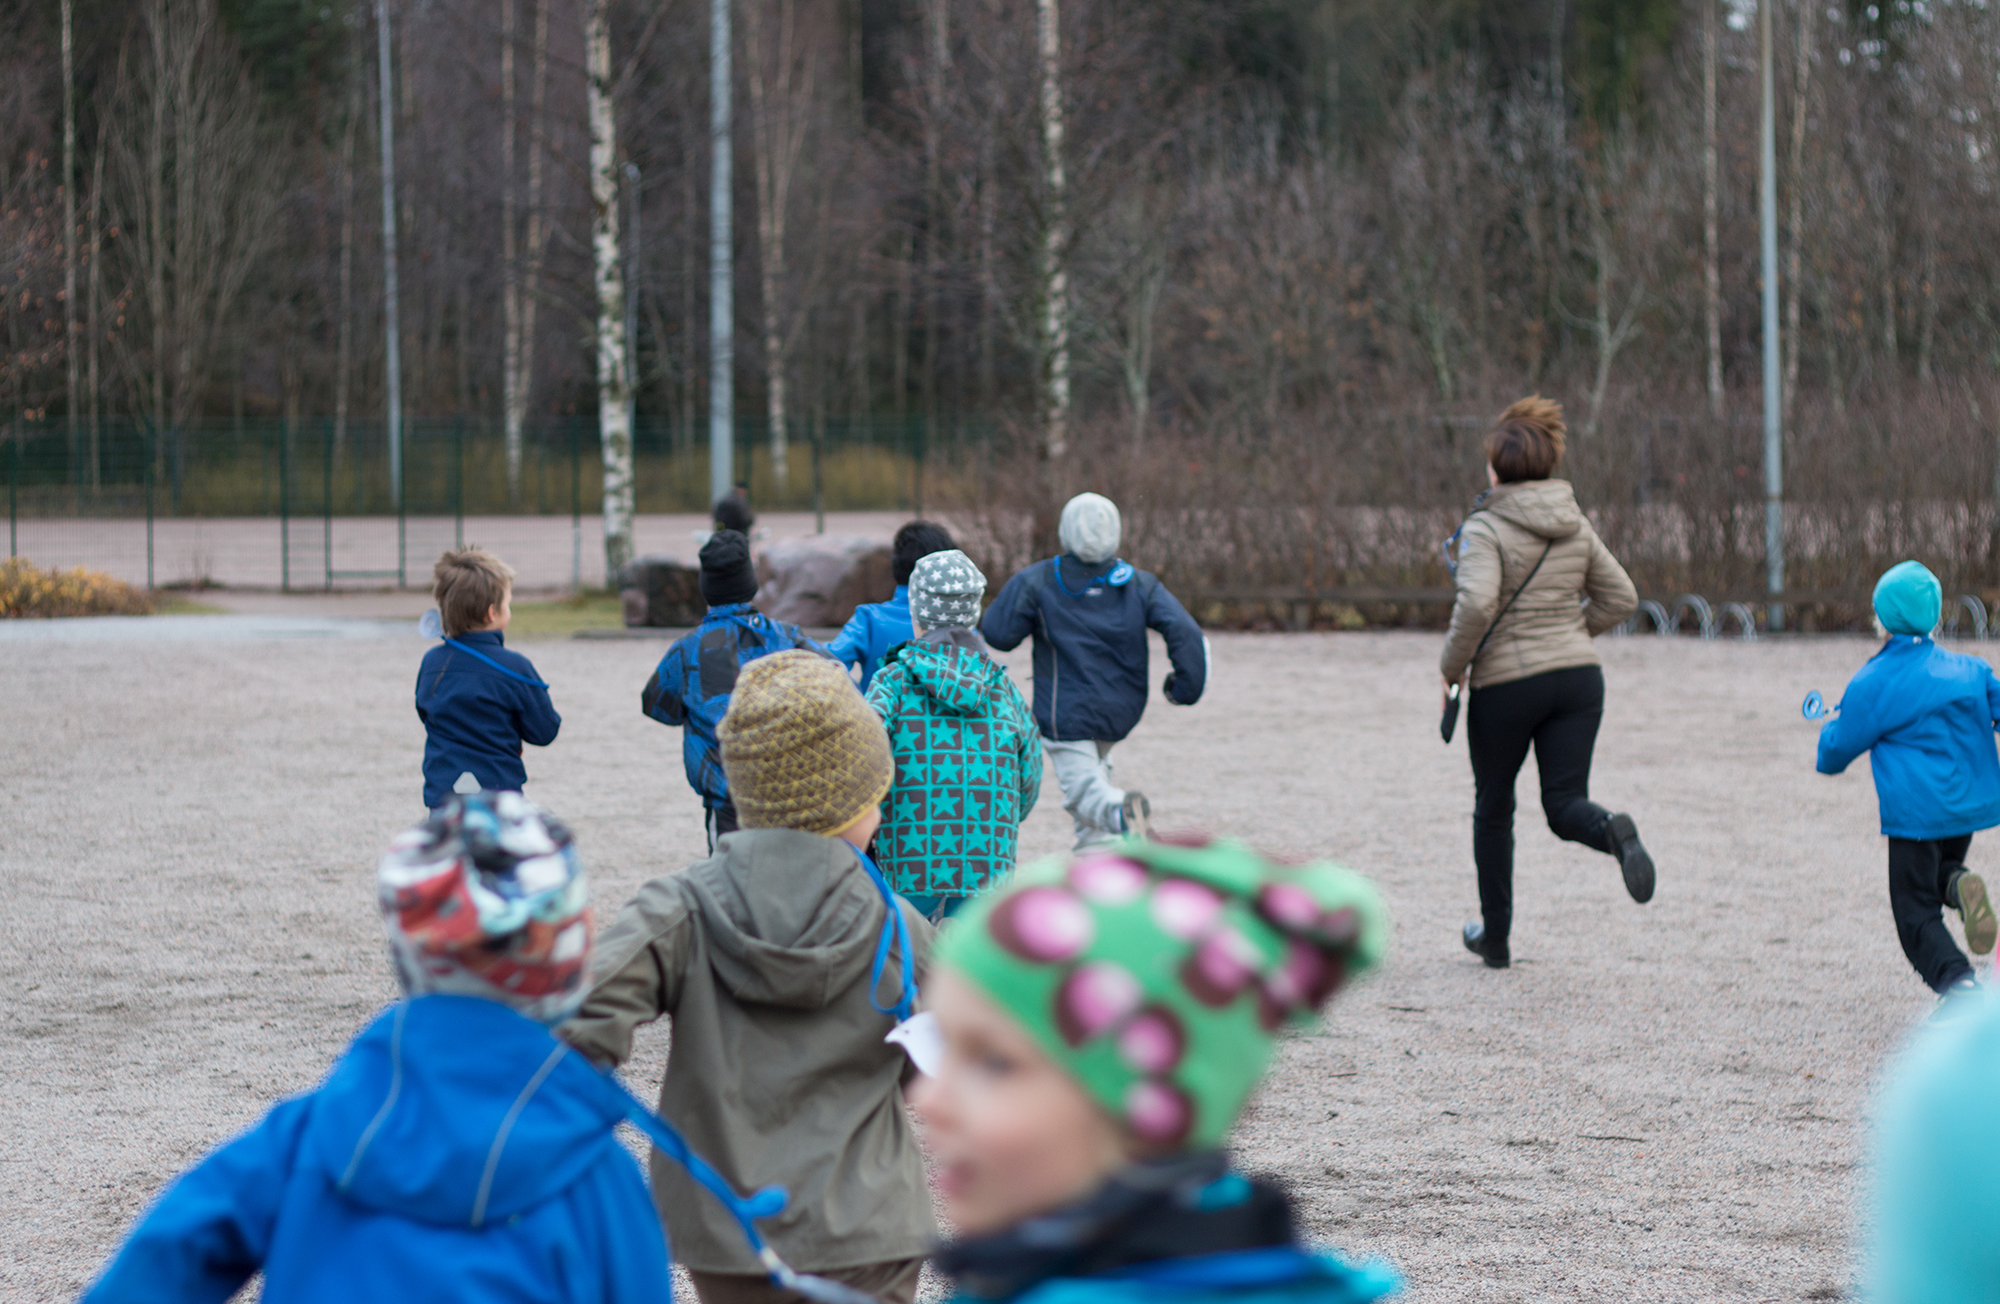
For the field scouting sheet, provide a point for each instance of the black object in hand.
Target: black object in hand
(1450, 722)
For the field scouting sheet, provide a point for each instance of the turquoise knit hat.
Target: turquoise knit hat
(1908, 599)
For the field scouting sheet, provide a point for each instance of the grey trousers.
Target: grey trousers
(1094, 803)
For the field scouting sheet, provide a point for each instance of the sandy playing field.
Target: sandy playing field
(1668, 1102)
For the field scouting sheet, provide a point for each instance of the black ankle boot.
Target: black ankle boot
(1632, 858)
(1493, 951)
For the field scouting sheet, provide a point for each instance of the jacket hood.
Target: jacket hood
(805, 933)
(1545, 508)
(456, 1111)
(957, 678)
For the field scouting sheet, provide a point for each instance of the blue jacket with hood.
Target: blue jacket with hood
(1926, 718)
(871, 631)
(457, 1152)
(1089, 623)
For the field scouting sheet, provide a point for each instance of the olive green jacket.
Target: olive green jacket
(1579, 592)
(761, 955)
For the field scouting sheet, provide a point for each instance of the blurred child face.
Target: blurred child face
(1012, 1134)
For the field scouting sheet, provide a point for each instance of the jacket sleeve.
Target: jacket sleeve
(641, 961)
(1187, 648)
(210, 1231)
(537, 718)
(800, 639)
(1478, 599)
(1609, 588)
(661, 697)
(1993, 698)
(1011, 617)
(1851, 732)
(850, 646)
(1030, 750)
(882, 693)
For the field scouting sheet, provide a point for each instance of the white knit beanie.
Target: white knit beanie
(1090, 528)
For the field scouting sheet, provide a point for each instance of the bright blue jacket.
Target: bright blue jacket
(1937, 1148)
(872, 630)
(691, 685)
(457, 1152)
(1284, 1275)
(1926, 718)
(477, 717)
(1090, 624)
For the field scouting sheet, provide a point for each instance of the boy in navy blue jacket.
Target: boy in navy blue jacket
(1089, 613)
(691, 685)
(457, 1151)
(1926, 717)
(478, 701)
(875, 627)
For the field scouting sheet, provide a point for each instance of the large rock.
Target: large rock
(819, 579)
(660, 591)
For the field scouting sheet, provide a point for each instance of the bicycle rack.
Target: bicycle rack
(1741, 613)
(1703, 614)
(1967, 605)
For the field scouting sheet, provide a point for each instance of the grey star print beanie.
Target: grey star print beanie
(945, 590)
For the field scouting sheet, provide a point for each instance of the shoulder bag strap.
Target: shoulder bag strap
(1488, 636)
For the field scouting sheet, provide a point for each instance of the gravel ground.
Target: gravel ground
(1668, 1101)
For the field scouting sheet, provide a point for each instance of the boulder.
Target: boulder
(661, 592)
(819, 579)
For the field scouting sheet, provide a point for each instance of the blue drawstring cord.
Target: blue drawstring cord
(896, 930)
(477, 655)
(1120, 573)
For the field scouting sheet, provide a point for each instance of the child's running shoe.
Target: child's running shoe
(1975, 908)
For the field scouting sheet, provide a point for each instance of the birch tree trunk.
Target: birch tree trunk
(1802, 80)
(510, 260)
(1055, 239)
(1711, 262)
(782, 76)
(343, 360)
(93, 331)
(69, 237)
(614, 413)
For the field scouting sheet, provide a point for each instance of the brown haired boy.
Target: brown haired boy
(478, 701)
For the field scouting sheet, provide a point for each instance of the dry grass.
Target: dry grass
(26, 590)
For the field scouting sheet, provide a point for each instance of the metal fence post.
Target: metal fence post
(284, 511)
(576, 509)
(458, 482)
(402, 518)
(13, 480)
(326, 494)
(147, 444)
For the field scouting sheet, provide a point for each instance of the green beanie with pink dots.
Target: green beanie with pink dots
(1159, 975)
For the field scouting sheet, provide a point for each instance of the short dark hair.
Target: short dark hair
(466, 584)
(1527, 440)
(732, 512)
(916, 541)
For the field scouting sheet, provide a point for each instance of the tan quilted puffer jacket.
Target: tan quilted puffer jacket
(1578, 593)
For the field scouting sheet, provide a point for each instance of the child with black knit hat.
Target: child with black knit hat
(691, 685)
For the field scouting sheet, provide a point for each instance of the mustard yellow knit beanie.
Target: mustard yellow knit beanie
(802, 748)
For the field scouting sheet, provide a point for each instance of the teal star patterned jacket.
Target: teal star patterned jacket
(968, 765)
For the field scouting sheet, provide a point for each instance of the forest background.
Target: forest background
(1266, 285)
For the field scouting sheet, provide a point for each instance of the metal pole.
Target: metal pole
(284, 511)
(1774, 453)
(151, 437)
(575, 510)
(633, 181)
(326, 486)
(458, 483)
(391, 329)
(721, 250)
(13, 480)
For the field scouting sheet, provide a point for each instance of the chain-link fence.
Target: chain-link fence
(320, 504)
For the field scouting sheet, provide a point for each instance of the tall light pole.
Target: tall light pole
(390, 326)
(1774, 452)
(721, 251)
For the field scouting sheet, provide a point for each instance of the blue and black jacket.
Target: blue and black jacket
(456, 1151)
(478, 713)
(1926, 717)
(1089, 624)
(691, 685)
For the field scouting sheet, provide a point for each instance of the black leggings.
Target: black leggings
(1558, 712)
(1920, 875)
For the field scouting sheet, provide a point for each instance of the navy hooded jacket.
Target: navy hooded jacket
(458, 1152)
(477, 717)
(1090, 624)
(1926, 718)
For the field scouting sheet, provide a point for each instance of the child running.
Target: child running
(478, 701)
(1926, 717)
(968, 756)
(876, 627)
(457, 1151)
(1089, 613)
(779, 960)
(691, 685)
(1104, 1022)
